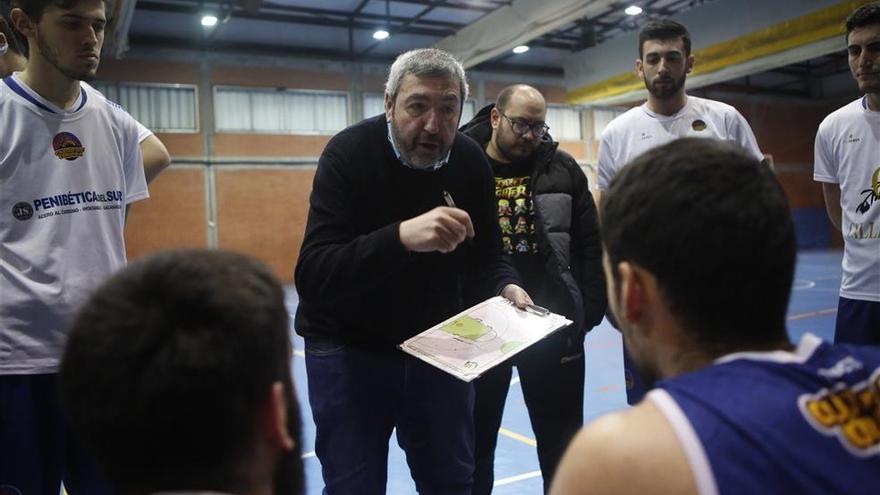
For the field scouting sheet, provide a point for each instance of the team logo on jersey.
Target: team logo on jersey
(22, 211)
(871, 194)
(67, 146)
(698, 125)
(850, 413)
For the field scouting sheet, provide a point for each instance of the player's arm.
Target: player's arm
(627, 453)
(155, 156)
(832, 203)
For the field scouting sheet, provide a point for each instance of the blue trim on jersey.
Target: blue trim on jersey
(865, 101)
(21, 92)
(83, 93)
(18, 89)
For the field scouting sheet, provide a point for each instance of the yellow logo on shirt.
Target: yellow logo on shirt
(852, 414)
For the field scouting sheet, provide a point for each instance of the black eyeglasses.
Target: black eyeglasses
(520, 127)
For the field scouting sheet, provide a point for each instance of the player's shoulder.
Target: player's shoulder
(714, 107)
(624, 122)
(842, 114)
(603, 454)
(104, 104)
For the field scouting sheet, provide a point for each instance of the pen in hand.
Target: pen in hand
(447, 198)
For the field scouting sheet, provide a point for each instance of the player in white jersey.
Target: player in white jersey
(664, 62)
(13, 58)
(70, 165)
(847, 163)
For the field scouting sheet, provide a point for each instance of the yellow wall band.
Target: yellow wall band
(810, 28)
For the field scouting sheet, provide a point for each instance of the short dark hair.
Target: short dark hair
(35, 8)
(664, 29)
(713, 225)
(863, 16)
(167, 365)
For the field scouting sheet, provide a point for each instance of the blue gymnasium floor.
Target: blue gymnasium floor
(813, 309)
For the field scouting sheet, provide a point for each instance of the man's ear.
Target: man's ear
(389, 107)
(632, 292)
(494, 117)
(275, 412)
(639, 69)
(22, 23)
(690, 63)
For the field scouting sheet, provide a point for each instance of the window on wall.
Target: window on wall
(159, 107)
(602, 117)
(374, 104)
(564, 122)
(274, 111)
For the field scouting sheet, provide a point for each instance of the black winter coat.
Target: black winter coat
(566, 223)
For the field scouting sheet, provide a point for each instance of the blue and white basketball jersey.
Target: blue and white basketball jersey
(66, 176)
(801, 422)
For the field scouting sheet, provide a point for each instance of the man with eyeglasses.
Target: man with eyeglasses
(549, 229)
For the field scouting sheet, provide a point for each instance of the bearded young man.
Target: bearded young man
(664, 62)
(70, 165)
(737, 408)
(382, 260)
(847, 163)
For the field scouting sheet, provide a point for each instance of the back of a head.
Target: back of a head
(664, 29)
(866, 15)
(167, 365)
(713, 226)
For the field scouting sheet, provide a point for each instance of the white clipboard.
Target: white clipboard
(482, 337)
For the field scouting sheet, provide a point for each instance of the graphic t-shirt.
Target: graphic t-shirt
(848, 153)
(516, 212)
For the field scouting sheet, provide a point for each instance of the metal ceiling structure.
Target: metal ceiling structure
(342, 29)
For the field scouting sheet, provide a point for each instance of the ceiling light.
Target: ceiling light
(521, 49)
(633, 10)
(381, 34)
(209, 20)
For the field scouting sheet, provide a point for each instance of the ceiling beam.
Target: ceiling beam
(516, 24)
(295, 18)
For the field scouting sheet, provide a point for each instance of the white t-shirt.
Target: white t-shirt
(848, 153)
(65, 179)
(639, 129)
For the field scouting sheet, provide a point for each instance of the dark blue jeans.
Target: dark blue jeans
(37, 450)
(359, 396)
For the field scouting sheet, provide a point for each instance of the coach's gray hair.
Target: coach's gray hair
(425, 62)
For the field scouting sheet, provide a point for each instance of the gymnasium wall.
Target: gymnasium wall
(246, 192)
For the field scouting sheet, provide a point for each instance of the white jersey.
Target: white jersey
(65, 179)
(848, 153)
(639, 130)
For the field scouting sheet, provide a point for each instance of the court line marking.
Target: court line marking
(516, 436)
(519, 477)
(812, 314)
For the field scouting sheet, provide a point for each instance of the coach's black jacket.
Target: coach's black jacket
(566, 224)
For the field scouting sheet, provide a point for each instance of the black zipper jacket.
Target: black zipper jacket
(566, 224)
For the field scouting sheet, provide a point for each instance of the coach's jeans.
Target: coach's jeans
(358, 396)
